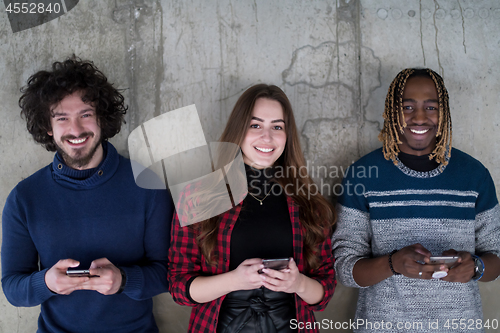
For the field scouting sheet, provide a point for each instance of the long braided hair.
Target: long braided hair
(393, 125)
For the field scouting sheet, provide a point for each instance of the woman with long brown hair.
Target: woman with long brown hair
(217, 266)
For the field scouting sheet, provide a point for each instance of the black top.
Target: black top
(262, 231)
(418, 163)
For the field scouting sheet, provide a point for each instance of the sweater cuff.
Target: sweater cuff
(345, 271)
(135, 281)
(40, 289)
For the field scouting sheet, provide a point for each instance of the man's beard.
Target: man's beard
(78, 161)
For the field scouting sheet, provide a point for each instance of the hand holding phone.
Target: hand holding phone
(55, 277)
(276, 264)
(444, 260)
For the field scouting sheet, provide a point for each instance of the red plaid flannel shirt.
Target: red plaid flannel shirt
(186, 261)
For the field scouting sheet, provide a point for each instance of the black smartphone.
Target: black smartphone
(276, 264)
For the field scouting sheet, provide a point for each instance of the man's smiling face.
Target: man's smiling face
(76, 132)
(421, 114)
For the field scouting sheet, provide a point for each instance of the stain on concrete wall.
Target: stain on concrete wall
(335, 60)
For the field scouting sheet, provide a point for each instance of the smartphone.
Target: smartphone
(443, 260)
(78, 272)
(276, 264)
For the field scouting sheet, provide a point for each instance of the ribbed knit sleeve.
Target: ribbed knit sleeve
(22, 282)
(488, 231)
(487, 223)
(149, 279)
(351, 242)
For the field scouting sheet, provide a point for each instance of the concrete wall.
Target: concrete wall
(334, 59)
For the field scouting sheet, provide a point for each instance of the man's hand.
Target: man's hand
(57, 280)
(413, 261)
(107, 279)
(463, 269)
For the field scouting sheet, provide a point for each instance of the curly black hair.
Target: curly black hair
(45, 89)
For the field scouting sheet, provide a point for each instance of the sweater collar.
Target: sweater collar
(89, 178)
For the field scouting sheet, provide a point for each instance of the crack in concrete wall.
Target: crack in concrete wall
(436, 5)
(128, 15)
(421, 33)
(463, 26)
(160, 66)
(343, 64)
(308, 61)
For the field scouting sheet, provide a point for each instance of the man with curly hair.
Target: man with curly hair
(426, 199)
(83, 211)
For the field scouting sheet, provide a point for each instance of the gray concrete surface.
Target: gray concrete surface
(334, 59)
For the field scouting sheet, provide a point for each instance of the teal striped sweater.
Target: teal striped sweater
(385, 207)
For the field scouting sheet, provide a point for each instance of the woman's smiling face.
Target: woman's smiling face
(265, 138)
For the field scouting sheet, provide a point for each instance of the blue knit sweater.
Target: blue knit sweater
(59, 213)
(386, 207)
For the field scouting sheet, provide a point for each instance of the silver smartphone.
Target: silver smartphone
(78, 272)
(443, 260)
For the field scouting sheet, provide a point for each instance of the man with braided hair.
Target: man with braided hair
(426, 199)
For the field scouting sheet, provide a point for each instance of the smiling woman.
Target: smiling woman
(215, 264)
(266, 136)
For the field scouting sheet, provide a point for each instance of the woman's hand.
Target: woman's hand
(288, 280)
(246, 276)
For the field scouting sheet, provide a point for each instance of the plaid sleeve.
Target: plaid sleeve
(185, 261)
(324, 274)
